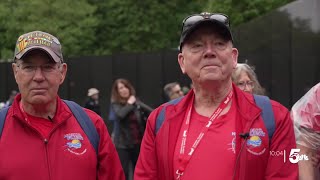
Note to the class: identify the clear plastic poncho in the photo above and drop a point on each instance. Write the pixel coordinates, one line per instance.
(306, 116)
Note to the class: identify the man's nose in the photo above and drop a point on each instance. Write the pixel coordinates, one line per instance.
(210, 50)
(38, 73)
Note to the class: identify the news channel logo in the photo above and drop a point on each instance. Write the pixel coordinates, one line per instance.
(294, 156)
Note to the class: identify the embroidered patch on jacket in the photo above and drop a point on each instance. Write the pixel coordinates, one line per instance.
(254, 143)
(233, 143)
(74, 144)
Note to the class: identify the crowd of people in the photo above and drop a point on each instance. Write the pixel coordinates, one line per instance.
(223, 127)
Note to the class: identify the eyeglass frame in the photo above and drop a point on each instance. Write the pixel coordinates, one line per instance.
(242, 85)
(34, 68)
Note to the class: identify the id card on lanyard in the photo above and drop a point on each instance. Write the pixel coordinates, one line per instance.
(184, 158)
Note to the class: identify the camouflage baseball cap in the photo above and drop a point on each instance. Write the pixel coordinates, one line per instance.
(38, 40)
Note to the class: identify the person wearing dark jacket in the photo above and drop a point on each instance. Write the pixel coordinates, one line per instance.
(130, 120)
(93, 101)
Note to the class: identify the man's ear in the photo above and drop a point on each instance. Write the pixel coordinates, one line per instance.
(235, 54)
(63, 72)
(181, 61)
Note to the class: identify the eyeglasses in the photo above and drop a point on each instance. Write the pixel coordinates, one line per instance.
(45, 68)
(242, 85)
(191, 20)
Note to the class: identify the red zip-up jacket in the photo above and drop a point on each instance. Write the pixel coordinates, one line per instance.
(65, 155)
(157, 150)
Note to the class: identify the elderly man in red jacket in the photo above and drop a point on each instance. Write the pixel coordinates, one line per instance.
(216, 131)
(42, 138)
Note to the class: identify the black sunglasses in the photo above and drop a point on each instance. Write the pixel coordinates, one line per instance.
(191, 20)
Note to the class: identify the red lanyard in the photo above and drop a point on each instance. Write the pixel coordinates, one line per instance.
(185, 158)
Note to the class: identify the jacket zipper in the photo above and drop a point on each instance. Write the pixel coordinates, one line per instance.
(47, 157)
(46, 141)
(241, 149)
(26, 121)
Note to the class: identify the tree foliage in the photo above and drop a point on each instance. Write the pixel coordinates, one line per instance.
(244, 10)
(139, 26)
(72, 21)
(99, 27)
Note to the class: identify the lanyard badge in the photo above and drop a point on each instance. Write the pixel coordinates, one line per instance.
(185, 158)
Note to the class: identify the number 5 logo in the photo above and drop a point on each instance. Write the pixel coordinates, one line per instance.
(294, 155)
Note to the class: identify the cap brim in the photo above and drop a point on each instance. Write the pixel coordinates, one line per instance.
(91, 94)
(47, 50)
(225, 31)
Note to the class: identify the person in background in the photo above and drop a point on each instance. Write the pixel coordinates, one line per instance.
(130, 116)
(185, 90)
(246, 79)
(8, 103)
(11, 98)
(306, 116)
(93, 100)
(41, 137)
(173, 90)
(216, 131)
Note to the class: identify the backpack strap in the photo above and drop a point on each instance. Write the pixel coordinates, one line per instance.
(267, 113)
(161, 115)
(3, 114)
(85, 123)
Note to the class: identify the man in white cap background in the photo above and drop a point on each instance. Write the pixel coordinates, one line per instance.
(92, 102)
(43, 137)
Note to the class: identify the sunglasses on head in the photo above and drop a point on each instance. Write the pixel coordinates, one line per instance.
(191, 20)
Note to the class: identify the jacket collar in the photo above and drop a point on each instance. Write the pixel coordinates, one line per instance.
(247, 108)
(245, 104)
(62, 112)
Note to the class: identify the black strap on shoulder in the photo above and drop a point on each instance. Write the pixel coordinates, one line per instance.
(3, 114)
(85, 123)
(162, 113)
(267, 113)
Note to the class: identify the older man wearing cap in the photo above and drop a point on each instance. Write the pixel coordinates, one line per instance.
(216, 131)
(43, 137)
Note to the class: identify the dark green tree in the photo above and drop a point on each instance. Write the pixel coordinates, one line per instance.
(72, 21)
(100, 27)
(140, 26)
(244, 10)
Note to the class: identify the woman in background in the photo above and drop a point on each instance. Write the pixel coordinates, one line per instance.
(130, 119)
(246, 79)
